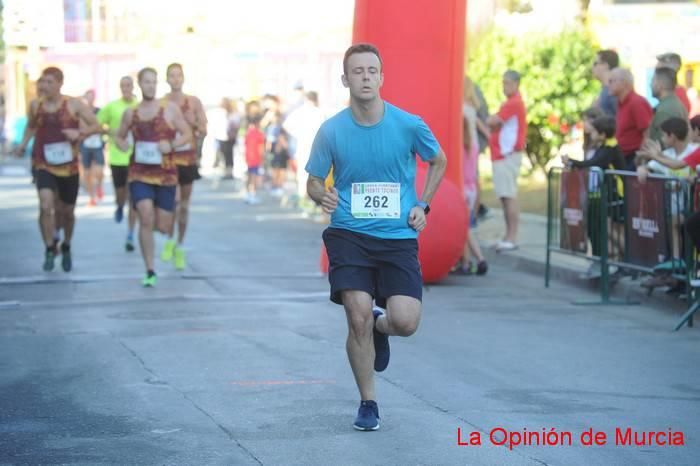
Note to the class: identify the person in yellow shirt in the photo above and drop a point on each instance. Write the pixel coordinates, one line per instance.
(110, 117)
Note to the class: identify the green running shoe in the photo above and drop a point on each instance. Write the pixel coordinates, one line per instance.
(168, 251)
(180, 259)
(149, 281)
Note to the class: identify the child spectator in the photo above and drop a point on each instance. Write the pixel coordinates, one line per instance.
(254, 151)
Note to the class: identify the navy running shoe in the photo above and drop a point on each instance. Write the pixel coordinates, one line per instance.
(367, 416)
(381, 344)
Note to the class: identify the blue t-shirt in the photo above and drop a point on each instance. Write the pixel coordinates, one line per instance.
(608, 102)
(382, 153)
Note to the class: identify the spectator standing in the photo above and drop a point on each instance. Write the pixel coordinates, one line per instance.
(663, 87)
(507, 142)
(673, 61)
(303, 124)
(605, 62)
(634, 115)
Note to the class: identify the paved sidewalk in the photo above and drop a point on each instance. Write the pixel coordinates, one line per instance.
(530, 257)
(241, 359)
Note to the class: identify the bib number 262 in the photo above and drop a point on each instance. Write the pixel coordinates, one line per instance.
(376, 202)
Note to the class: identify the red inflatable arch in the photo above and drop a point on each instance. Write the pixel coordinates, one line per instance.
(422, 47)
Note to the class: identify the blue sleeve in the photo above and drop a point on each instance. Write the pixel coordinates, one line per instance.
(424, 142)
(321, 157)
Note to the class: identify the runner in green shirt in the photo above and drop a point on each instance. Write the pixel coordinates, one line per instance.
(110, 117)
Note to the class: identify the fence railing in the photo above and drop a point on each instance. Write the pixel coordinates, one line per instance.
(621, 224)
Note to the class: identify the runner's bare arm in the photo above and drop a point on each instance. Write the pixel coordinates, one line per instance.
(327, 198)
(123, 131)
(29, 130)
(177, 119)
(200, 118)
(88, 117)
(436, 170)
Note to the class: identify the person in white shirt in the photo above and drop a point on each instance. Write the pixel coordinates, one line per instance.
(303, 124)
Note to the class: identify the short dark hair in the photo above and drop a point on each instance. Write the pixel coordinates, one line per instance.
(695, 122)
(255, 119)
(605, 125)
(145, 70)
(667, 78)
(675, 126)
(591, 113)
(360, 48)
(173, 65)
(55, 72)
(512, 75)
(610, 57)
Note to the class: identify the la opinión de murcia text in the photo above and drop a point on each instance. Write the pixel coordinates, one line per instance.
(551, 437)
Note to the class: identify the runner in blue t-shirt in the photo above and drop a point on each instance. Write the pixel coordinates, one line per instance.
(376, 217)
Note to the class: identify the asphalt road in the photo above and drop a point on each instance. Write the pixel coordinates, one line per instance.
(240, 359)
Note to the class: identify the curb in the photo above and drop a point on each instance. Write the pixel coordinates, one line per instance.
(625, 289)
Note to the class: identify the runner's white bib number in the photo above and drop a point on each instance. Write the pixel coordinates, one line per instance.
(147, 153)
(94, 141)
(376, 200)
(58, 153)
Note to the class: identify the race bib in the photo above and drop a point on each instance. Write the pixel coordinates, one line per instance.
(147, 153)
(58, 153)
(94, 141)
(376, 200)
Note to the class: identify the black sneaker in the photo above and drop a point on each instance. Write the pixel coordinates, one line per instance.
(129, 246)
(381, 344)
(49, 258)
(482, 212)
(367, 416)
(66, 260)
(481, 268)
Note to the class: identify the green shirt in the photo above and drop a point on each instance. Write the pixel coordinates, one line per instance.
(668, 107)
(111, 116)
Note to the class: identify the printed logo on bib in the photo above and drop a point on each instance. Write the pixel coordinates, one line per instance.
(94, 141)
(58, 153)
(376, 200)
(147, 153)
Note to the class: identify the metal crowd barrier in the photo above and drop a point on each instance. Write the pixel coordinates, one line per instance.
(615, 221)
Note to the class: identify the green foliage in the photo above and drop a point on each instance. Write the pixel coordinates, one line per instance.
(556, 82)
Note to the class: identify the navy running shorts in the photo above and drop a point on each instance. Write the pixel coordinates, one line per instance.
(163, 197)
(380, 267)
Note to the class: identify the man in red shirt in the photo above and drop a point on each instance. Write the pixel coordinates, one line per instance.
(254, 149)
(673, 61)
(634, 115)
(507, 143)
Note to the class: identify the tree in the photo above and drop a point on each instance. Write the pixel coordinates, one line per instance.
(556, 82)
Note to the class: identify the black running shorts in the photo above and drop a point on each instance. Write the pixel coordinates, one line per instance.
(120, 174)
(66, 186)
(187, 174)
